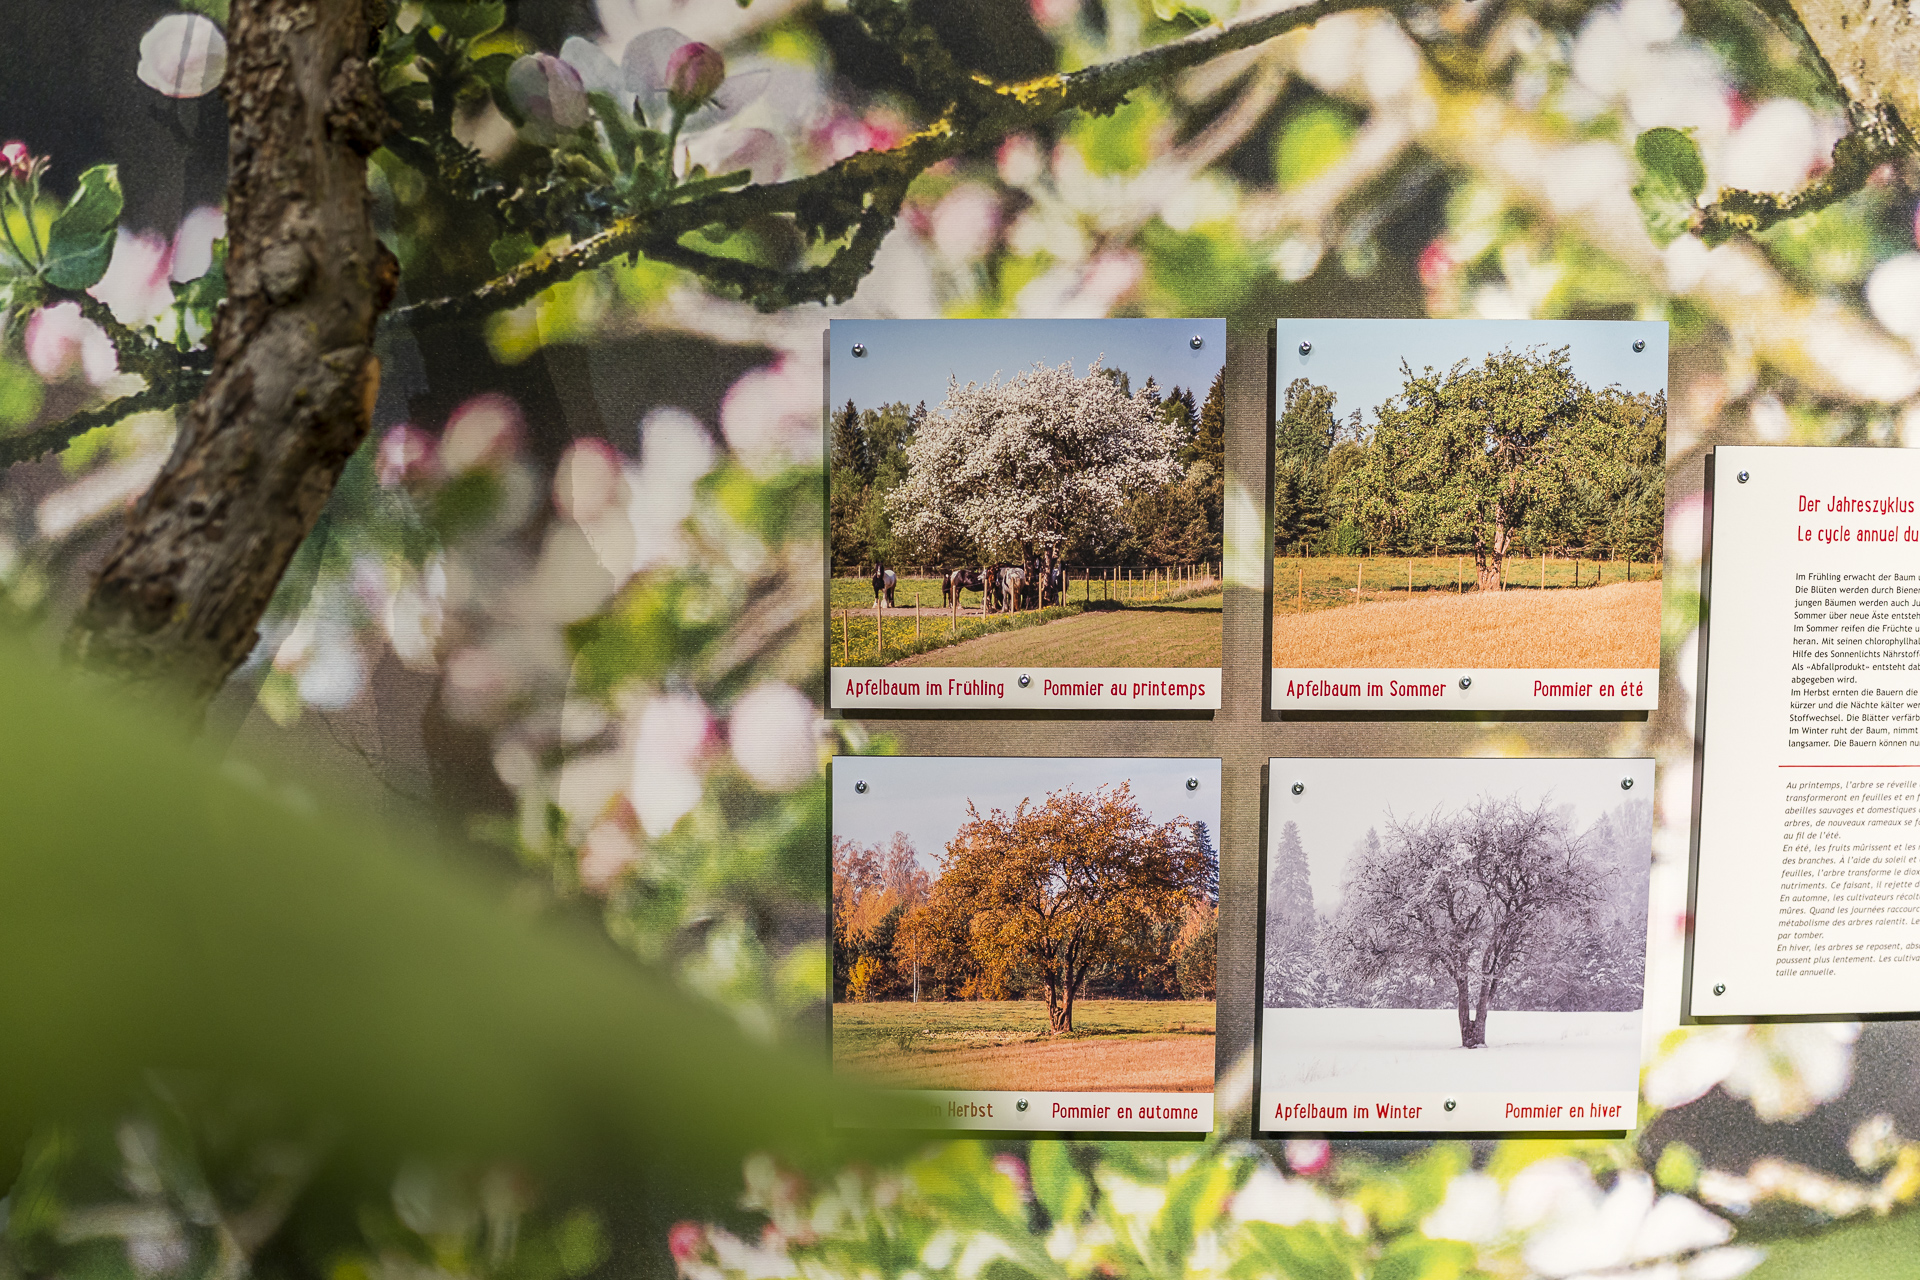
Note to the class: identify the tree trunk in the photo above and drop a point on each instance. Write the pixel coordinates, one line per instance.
(1463, 1003)
(179, 600)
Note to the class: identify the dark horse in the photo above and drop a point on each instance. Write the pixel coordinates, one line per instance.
(883, 581)
(1053, 586)
(960, 580)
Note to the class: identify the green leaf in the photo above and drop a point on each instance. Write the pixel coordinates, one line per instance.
(80, 241)
(1672, 178)
(1060, 1187)
(1185, 13)
(468, 19)
(214, 9)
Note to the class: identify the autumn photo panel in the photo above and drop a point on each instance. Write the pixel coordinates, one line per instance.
(1454, 945)
(1026, 944)
(1025, 514)
(1468, 515)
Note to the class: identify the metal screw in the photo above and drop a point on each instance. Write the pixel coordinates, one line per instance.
(1196, 342)
(1626, 784)
(1639, 344)
(1025, 681)
(1020, 1105)
(1451, 1104)
(1466, 682)
(861, 786)
(1193, 784)
(1742, 477)
(859, 349)
(1305, 347)
(1719, 988)
(1299, 788)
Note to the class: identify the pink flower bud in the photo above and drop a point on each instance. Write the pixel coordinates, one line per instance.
(686, 1241)
(15, 160)
(1308, 1156)
(405, 456)
(695, 72)
(1015, 1170)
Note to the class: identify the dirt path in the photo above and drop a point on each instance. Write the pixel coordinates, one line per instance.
(1616, 626)
(1136, 1064)
(1180, 634)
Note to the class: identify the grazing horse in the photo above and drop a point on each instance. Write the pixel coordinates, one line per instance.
(883, 582)
(990, 587)
(956, 582)
(1013, 586)
(1054, 586)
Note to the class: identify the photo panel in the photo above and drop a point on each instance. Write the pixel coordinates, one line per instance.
(1806, 891)
(1469, 515)
(1025, 943)
(1454, 945)
(1025, 514)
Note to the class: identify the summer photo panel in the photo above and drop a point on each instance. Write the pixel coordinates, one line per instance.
(1026, 944)
(1454, 945)
(1026, 514)
(1468, 514)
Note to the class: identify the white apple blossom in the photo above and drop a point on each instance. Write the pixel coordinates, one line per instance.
(775, 735)
(183, 56)
(1039, 462)
(669, 744)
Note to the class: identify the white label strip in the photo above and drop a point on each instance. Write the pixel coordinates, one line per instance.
(1036, 1111)
(1355, 1111)
(1464, 689)
(1026, 688)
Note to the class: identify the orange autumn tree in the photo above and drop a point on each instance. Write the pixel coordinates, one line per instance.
(1058, 889)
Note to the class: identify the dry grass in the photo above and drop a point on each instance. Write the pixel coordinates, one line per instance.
(1611, 626)
(1120, 1045)
(1181, 633)
(1156, 1064)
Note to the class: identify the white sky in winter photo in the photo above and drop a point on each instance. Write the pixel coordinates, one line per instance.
(1345, 797)
(1359, 360)
(911, 360)
(926, 796)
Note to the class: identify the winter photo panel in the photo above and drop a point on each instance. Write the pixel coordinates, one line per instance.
(1468, 515)
(1025, 514)
(1025, 944)
(1454, 945)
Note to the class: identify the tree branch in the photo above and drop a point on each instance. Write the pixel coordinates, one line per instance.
(856, 200)
(1855, 157)
(863, 192)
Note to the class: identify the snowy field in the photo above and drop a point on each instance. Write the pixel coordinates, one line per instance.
(1420, 1049)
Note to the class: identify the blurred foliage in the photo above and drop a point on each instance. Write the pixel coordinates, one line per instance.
(615, 642)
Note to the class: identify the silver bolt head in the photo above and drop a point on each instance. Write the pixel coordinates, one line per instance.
(861, 786)
(1025, 681)
(859, 349)
(1193, 784)
(1466, 682)
(1639, 344)
(1719, 988)
(1305, 348)
(1742, 477)
(1451, 1104)
(1196, 342)
(1020, 1105)
(1299, 788)
(1626, 784)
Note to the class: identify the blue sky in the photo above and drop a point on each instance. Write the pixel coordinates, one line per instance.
(926, 796)
(911, 360)
(1360, 359)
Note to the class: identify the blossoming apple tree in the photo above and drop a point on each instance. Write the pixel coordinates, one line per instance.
(1036, 465)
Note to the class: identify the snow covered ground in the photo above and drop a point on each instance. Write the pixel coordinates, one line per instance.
(1405, 1049)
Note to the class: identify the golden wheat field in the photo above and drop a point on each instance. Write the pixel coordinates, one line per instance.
(1611, 626)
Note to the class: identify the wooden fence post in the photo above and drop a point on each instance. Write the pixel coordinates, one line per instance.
(879, 637)
(846, 654)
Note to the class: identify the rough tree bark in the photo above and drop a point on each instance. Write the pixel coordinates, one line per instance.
(290, 397)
